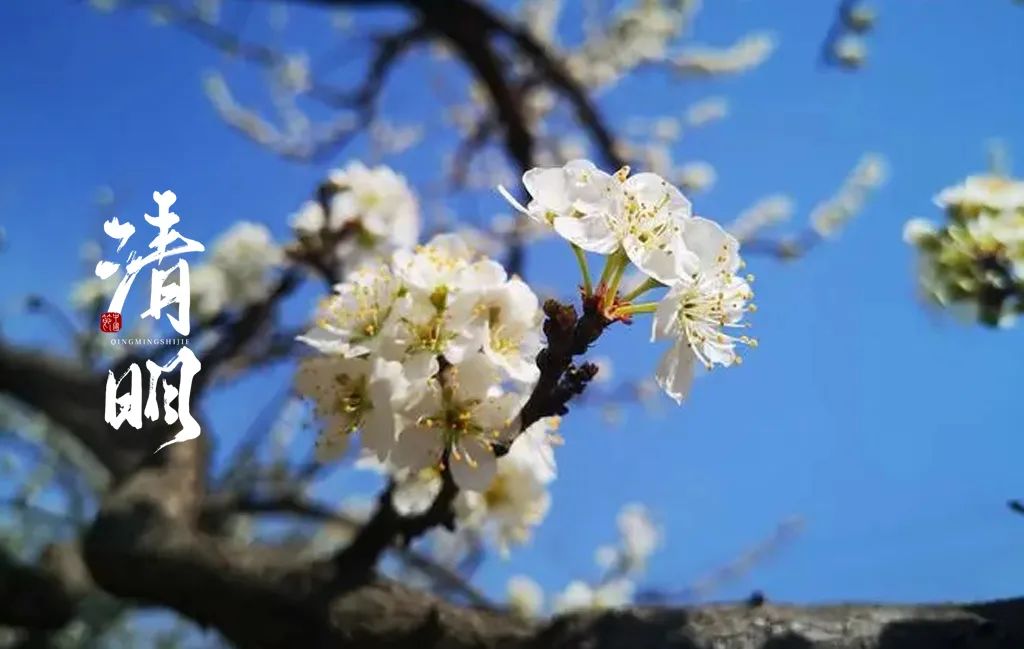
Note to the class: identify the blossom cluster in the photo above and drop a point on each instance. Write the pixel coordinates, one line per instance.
(430, 356)
(239, 272)
(645, 221)
(366, 213)
(974, 263)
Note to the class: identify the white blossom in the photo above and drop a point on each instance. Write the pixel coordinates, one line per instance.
(509, 330)
(749, 52)
(517, 499)
(525, 596)
(651, 226)
(640, 536)
(698, 309)
(358, 318)
(697, 176)
(578, 200)
(246, 253)
(351, 394)
(461, 413)
(209, 290)
(371, 212)
(850, 50)
(993, 193)
(916, 230)
(643, 215)
(379, 199)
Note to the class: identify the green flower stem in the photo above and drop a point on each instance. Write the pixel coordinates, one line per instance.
(632, 309)
(613, 282)
(609, 267)
(645, 286)
(581, 259)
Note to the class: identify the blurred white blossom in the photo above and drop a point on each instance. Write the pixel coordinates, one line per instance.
(525, 596)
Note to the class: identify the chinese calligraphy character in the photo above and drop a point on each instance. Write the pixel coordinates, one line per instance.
(162, 294)
(165, 291)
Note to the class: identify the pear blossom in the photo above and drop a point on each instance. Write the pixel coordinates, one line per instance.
(517, 499)
(508, 331)
(652, 224)
(987, 192)
(578, 200)
(461, 413)
(356, 320)
(974, 264)
(209, 290)
(379, 199)
(707, 299)
(640, 536)
(246, 254)
(444, 283)
(917, 230)
(351, 394)
(525, 596)
(451, 336)
(309, 220)
(415, 491)
(643, 215)
(366, 214)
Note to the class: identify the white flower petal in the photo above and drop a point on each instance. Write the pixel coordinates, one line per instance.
(675, 371)
(591, 232)
(473, 466)
(417, 448)
(712, 244)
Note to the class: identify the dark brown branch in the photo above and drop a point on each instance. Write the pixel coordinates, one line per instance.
(469, 26)
(568, 336)
(32, 597)
(555, 73)
(446, 580)
(72, 397)
(387, 527)
(245, 327)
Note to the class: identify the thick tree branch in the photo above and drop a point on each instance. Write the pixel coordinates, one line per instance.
(72, 397)
(34, 597)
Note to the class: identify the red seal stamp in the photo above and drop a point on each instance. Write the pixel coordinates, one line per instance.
(110, 322)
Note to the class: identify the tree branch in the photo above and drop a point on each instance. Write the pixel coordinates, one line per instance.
(72, 397)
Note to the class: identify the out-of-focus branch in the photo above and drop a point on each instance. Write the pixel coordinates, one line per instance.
(387, 526)
(34, 597)
(232, 44)
(471, 27)
(467, 149)
(444, 579)
(71, 397)
(234, 337)
(826, 219)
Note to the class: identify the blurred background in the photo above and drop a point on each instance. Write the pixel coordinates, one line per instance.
(866, 450)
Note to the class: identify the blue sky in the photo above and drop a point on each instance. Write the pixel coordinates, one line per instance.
(894, 433)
